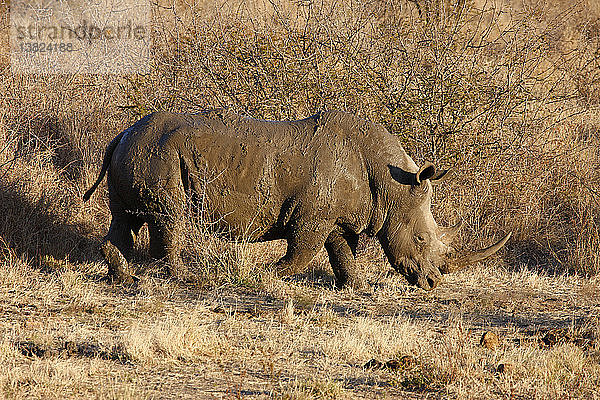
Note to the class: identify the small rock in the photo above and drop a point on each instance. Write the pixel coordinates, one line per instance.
(550, 339)
(30, 349)
(506, 368)
(489, 340)
(394, 365)
(373, 364)
(405, 362)
(82, 349)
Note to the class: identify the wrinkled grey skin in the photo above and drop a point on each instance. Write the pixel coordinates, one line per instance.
(316, 182)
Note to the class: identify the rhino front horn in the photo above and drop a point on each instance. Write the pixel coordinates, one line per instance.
(458, 263)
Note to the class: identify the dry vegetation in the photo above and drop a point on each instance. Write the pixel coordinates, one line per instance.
(505, 92)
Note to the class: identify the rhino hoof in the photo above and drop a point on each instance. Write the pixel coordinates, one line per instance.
(121, 279)
(354, 283)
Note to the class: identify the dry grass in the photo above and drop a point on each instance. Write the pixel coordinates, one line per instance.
(70, 338)
(507, 92)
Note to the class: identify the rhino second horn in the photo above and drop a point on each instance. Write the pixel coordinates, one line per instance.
(448, 233)
(456, 264)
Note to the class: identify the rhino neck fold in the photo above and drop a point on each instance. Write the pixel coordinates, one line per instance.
(378, 212)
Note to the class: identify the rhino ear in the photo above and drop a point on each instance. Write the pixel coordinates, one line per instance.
(440, 176)
(427, 171)
(402, 176)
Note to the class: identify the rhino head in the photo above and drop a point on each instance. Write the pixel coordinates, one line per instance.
(413, 242)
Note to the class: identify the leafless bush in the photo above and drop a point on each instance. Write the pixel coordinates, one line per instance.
(504, 93)
(487, 87)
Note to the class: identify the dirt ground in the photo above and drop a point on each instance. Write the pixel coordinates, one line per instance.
(68, 335)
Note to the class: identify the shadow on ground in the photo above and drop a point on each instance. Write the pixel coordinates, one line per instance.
(42, 229)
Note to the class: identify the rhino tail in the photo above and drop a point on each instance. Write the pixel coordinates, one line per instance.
(105, 164)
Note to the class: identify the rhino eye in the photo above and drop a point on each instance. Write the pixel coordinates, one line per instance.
(420, 238)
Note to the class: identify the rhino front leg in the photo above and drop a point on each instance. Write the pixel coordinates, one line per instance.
(165, 244)
(342, 251)
(303, 245)
(116, 248)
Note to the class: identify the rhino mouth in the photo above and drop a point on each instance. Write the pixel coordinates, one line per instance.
(426, 277)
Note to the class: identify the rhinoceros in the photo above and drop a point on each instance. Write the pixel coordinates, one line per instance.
(316, 182)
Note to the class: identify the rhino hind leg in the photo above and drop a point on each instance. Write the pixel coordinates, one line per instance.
(165, 244)
(117, 247)
(352, 240)
(341, 249)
